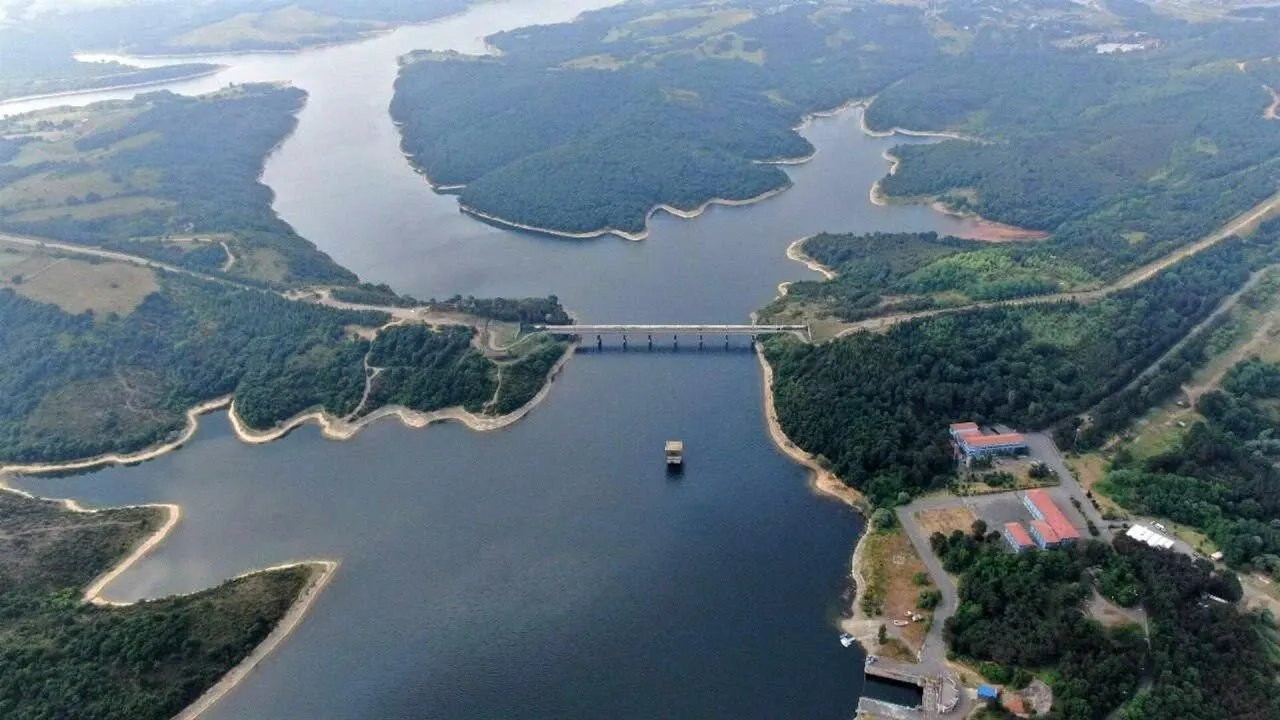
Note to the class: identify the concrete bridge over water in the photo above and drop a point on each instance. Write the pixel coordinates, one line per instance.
(675, 331)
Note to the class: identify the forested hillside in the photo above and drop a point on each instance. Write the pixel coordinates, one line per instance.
(589, 125)
(1220, 477)
(875, 406)
(1200, 647)
(165, 176)
(586, 126)
(884, 273)
(60, 658)
(1120, 156)
(1019, 613)
(78, 385)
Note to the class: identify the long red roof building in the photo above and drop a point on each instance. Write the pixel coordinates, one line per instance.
(1042, 506)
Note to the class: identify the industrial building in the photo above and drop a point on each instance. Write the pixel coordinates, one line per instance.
(972, 444)
(1017, 537)
(1050, 527)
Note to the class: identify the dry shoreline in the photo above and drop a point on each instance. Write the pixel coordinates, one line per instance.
(322, 572)
(988, 231)
(795, 251)
(112, 88)
(331, 427)
(633, 237)
(824, 483)
(636, 237)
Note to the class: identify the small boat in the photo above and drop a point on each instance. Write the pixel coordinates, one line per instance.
(900, 623)
(846, 639)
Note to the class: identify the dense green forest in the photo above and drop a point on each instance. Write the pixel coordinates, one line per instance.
(425, 370)
(1020, 613)
(1220, 476)
(79, 385)
(458, 374)
(1023, 611)
(60, 658)
(882, 273)
(144, 176)
(1207, 660)
(75, 385)
(588, 125)
(1122, 157)
(526, 311)
(874, 407)
(525, 377)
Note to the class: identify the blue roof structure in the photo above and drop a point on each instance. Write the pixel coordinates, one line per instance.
(986, 692)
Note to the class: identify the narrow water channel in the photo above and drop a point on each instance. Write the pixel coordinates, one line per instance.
(551, 569)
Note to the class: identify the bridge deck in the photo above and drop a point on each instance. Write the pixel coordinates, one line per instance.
(671, 329)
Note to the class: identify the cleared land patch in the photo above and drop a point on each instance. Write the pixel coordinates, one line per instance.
(890, 566)
(75, 285)
(287, 26)
(130, 205)
(945, 520)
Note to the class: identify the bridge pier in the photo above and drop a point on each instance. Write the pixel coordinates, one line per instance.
(650, 342)
(675, 342)
(726, 342)
(599, 343)
(624, 343)
(699, 342)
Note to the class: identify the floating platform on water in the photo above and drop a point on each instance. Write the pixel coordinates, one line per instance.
(674, 452)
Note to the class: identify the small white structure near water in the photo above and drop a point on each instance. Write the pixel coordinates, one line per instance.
(1144, 534)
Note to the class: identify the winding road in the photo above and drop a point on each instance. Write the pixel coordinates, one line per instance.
(1137, 276)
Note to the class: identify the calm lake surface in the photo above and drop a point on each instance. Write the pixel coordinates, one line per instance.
(551, 569)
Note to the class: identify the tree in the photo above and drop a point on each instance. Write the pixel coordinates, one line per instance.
(979, 529)
(883, 519)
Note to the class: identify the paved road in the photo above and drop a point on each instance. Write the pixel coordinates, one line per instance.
(1227, 303)
(1044, 449)
(934, 651)
(111, 255)
(1135, 277)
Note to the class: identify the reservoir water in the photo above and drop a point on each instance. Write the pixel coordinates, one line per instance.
(551, 569)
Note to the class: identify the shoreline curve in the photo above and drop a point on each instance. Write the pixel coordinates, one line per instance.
(632, 237)
(111, 88)
(331, 427)
(322, 571)
(805, 121)
(825, 484)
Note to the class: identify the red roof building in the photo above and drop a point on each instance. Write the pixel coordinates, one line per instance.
(972, 443)
(1042, 507)
(1044, 534)
(996, 440)
(1017, 537)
